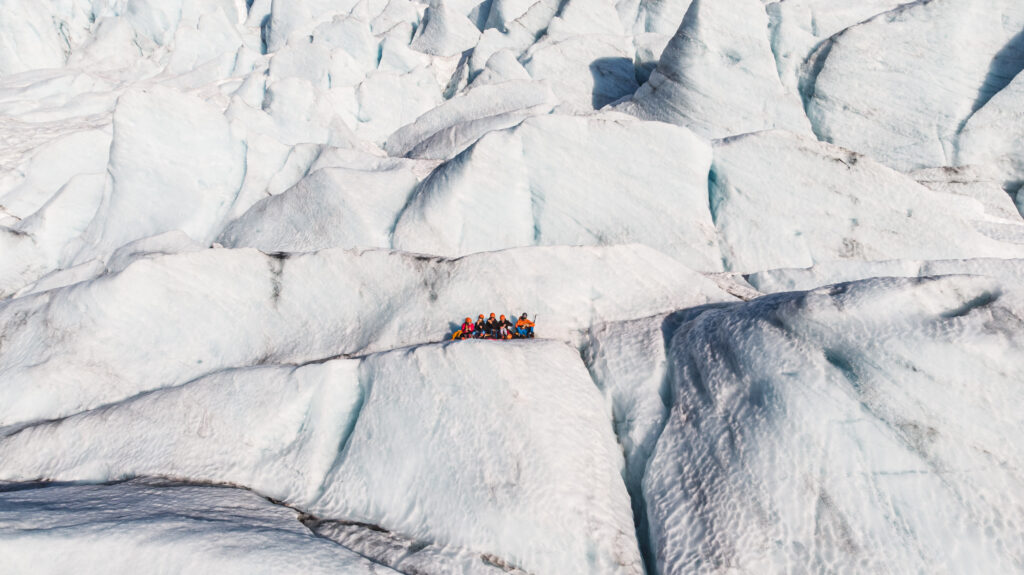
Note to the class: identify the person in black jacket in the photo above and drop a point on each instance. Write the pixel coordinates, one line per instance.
(491, 327)
(480, 326)
(504, 328)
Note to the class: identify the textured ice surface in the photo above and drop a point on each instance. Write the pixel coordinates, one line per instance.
(866, 426)
(160, 527)
(604, 179)
(528, 471)
(167, 319)
(797, 27)
(717, 75)
(184, 180)
(769, 281)
(782, 200)
(991, 136)
(901, 86)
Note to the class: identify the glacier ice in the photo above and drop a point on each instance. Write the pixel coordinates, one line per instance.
(905, 105)
(160, 526)
(544, 189)
(234, 235)
(717, 75)
(991, 136)
(539, 487)
(780, 200)
(798, 27)
(167, 319)
(184, 180)
(860, 426)
(330, 207)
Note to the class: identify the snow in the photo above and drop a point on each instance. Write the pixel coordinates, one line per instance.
(854, 427)
(235, 238)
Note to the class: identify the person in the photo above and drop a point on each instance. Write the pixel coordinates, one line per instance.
(504, 328)
(524, 327)
(467, 329)
(491, 326)
(480, 327)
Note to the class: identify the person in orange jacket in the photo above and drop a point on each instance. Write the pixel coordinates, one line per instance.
(524, 327)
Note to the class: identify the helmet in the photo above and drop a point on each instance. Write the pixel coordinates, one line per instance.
(502, 317)
(492, 315)
(481, 316)
(467, 319)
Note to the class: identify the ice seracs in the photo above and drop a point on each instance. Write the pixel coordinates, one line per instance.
(717, 75)
(569, 180)
(992, 135)
(444, 32)
(185, 180)
(331, 207)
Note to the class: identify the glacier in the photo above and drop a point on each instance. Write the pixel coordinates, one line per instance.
(774, 251)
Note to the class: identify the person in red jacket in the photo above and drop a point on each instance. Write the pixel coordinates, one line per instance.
(467, 329)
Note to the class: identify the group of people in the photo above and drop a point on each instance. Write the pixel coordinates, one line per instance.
(495, 328)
